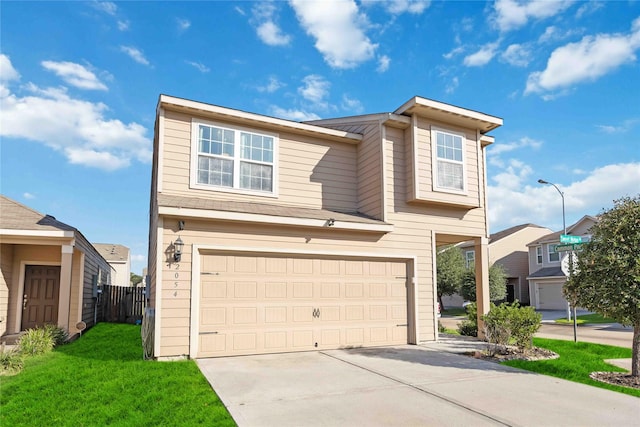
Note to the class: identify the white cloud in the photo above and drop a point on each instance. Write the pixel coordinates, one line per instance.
(383, 63)
(515, 197)
(28, 196)
(513, 14)
(352, 105)
(135, 54)
(339, 30)
(123, 25)
(453, 85)
(240, 10)
(517, 55)
(183, 24)
(589, 7)
(75, 75)
(296, 115)
(138, 258)
(272, 85)
(621, 128)
(199, 66)
(77, 128)
(264, 16)
(552, 34)
(453, 52)
(495, 151)
(587, 60)
(315, 88)
(397, 7)
(7, 72)
(107, 7)
(483, 56)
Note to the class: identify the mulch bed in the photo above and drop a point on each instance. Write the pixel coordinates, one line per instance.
(617, 378)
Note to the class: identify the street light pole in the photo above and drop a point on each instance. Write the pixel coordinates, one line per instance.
(564, 227)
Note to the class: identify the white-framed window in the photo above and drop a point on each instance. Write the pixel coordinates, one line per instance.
(553, 255)
(470, 259)
(449, 172)
(230, 158)
(539, 254)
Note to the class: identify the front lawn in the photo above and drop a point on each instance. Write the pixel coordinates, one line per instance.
(101, 379)
(586, 319)
(577, 361)
(454, 311)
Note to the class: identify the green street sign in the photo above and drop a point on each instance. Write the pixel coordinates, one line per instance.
(565, 238)
(568, 248)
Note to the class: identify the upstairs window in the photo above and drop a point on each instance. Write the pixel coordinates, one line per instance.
(229, 158)
(553, 255)
(449, 170)
(539, 254)
(470, 259)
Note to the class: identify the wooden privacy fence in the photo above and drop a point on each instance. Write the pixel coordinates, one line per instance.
(121, 304)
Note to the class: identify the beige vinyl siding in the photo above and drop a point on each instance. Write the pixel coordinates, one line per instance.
(6, 274)
(370, 173)
(311, 172)
(473, 175)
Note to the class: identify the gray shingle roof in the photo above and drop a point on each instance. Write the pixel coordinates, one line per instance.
(16, 216)
(112, 252)
(548, 272)
(262, 209)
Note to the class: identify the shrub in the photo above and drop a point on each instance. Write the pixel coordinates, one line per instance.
(497, 327)
(469, 327)
(441, 328)
(36, 341)
(507, 321)
(11, 361)
(59, 335)
(525, 322)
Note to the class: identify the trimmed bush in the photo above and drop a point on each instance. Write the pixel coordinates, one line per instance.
(507, 322)
(36, 341)
(59, 335)
(469, 327)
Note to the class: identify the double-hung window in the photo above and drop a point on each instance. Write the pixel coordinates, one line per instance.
(470, 259)
(229, 158)
(448, 159)
(553, 255)
(539, 254)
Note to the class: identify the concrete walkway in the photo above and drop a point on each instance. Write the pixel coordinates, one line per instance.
(405, 385)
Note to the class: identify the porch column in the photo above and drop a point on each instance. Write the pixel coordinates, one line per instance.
(482, 280)
(64, 300)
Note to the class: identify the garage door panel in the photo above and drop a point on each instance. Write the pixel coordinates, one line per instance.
(278, 304)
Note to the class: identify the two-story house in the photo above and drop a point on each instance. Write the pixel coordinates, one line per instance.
(268, 235)
(508, 248)
(546, 278)
(118, 257)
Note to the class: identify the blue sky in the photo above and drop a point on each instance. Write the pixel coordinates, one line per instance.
(79, 83)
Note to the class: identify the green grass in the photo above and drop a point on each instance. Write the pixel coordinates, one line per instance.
(101, 379)
(586, 319)
(454, 311)
(577, 361)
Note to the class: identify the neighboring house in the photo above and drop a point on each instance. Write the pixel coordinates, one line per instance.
(509, 249)
(308, 236)
(546, 278)
(119, 258)
(49, 272)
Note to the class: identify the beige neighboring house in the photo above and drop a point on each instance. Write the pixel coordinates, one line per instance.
(546, 278)
(509, 249)
(49, 272)
(119, 257)
(308, 236)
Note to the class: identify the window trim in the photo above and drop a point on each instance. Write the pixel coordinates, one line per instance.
(539, 256)
(434, 161)
(193, 172)
(549, 252)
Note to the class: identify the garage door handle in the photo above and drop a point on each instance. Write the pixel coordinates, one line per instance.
(403, 324)
(208, 333)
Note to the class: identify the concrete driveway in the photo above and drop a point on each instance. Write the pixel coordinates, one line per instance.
(406, 385)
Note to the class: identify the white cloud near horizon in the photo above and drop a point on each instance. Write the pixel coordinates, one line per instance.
(518, 55)
(272, 85)
(264, 20)
(586, 60)
(75, 74)
(7, 72)
(135, 54)
(292, 114)
(513, 14)
(482, 56)
(28, 196)
(383, 64)
(339, 30)
(77, 128)
(516, 198)
(625, 126)
(352, 105)
(315, 89)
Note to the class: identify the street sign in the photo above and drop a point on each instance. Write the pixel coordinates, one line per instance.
(569, 260)
(565, 238)
(568, 248)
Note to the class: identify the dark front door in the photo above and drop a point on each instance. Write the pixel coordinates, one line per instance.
(511, 293)
(40, 298)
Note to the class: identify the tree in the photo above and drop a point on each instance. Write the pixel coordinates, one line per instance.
(450, 271)
(135, 279)
(497, 284)
(607, 276)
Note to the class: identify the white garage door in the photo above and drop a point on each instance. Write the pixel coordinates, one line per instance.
(550, 297)
(267, 304)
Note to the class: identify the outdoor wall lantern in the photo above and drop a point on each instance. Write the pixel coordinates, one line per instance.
(177, 249)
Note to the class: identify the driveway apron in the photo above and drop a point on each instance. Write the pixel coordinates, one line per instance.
(405, 385)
